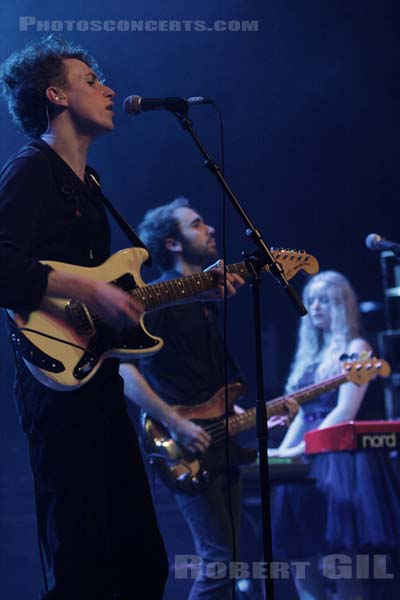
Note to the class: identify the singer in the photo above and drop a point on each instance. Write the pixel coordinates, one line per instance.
(97, 528)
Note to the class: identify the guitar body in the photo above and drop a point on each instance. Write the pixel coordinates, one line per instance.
(62, 346)
(182, 471)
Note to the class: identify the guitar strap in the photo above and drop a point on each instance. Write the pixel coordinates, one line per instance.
(68, 188)
(120, 220)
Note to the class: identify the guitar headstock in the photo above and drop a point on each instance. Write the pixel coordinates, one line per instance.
(293, 261)
(361, 369)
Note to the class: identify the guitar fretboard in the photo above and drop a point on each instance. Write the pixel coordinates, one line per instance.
(247, 420)
(173, 290)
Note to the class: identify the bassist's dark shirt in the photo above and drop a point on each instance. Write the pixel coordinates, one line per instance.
(189, 369)
(48, 213)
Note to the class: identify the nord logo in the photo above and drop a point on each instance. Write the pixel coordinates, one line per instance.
(379, 440)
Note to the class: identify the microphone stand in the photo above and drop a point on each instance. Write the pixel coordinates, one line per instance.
(255, 261)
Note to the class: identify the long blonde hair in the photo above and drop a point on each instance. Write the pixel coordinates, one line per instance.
(345, 326)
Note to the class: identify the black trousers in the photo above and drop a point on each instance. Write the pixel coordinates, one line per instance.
(97, 527)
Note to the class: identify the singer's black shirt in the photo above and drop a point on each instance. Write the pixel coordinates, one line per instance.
(48, 213)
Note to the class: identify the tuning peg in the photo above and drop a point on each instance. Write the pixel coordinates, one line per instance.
(344, 357)
(354, 356)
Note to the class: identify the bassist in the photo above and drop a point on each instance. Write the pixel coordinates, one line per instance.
(188, 371)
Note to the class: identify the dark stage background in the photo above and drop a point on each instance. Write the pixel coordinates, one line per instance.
(311, 107)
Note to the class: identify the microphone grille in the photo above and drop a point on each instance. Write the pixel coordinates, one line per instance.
(372, 240)
(132, 105)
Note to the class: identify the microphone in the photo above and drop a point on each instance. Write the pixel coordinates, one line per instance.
(374, 241)
(134, 105)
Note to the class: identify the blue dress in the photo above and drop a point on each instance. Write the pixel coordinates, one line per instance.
(351, 504)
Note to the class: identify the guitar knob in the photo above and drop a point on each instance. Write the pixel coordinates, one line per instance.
(195, 481)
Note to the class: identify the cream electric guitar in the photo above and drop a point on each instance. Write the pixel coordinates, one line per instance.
(63, 344)
(184, 472)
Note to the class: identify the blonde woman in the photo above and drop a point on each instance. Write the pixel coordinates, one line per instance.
(306, 518)
(331, 328)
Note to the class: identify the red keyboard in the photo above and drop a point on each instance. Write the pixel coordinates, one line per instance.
(354, 435)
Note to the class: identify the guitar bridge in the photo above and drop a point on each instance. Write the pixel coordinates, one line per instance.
(80, 317)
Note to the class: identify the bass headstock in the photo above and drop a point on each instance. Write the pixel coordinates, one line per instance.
(362, 368)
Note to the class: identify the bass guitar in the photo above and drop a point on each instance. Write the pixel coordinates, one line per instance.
(63, 344)
(184, 472)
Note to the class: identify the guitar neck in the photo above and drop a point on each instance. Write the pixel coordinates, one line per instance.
(247, 420)
(173, 290)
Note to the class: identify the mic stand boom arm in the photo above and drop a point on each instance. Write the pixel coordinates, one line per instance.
(260, 257)
(265, 255)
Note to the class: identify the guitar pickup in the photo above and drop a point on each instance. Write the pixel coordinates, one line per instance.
(80, 317)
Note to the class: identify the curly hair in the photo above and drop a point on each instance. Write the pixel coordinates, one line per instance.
(159, 224)
(26, 75)
(345, 326)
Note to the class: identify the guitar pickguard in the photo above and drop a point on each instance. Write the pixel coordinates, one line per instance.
(33, 354)
(105, 338)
